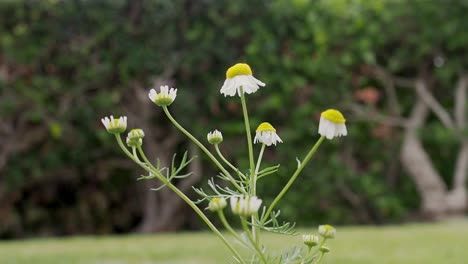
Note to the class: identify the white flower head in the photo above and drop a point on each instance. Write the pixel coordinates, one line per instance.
(217, 203)
(245, 205)
(266, 134)
(332, 124)
(115, 125)
(239, 78)
(310, 240)
(165, 97)
(135, 138)
(327, 231)
(215, 137)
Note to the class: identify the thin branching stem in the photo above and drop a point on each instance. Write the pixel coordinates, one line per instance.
(206, 220)
(135, 154)
(293, 178)
(320, 258)
(145, 159)
(127, 152)
(257, 168)
(150, 168)
(204, 149)
(221, 156)
(319, 246)
(230, 229)
(247, 130)
(255, 230)
(252, 241)
(251, 157)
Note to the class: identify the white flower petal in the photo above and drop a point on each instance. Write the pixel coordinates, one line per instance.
(330, 129)
(152, 95)
(165, 96)
(248, 83)
(228, 87)
(267, 137)
(164, 89)
(245, 205)
(258, 82)
(115, 125)
(106, 122)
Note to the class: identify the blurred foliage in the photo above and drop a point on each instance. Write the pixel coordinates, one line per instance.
(65, 64)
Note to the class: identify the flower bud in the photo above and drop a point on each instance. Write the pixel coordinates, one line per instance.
(310, 240)
(215, 137)
(217, 203)
(135, 138)
(324, 248)
(327, 231)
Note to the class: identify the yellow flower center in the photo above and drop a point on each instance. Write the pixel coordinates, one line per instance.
(334, 116)
(265, 126)
(238, 69)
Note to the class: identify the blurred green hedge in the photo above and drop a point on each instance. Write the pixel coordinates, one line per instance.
(66, 64)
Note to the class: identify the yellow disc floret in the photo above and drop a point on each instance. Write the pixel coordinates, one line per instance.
(334, 116)
(238, 69)
(265, 126)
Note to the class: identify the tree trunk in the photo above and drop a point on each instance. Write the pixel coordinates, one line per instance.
(430, 186)
(419, 166)
(437, 201)
(457, 199)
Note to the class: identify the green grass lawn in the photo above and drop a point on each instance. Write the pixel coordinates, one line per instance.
(406, 244)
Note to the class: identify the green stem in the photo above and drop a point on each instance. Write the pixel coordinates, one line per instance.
(146, 160)
(247, 130)
(135, 154)
(126, 151)
(206, 220)
(293, 177)
(161, 177)
(226, 161)
(255, 230)
(202, 147)
(229, 228)
(257, 168)
(319, 246)
(251, 157)
(252, 241)
(320, 258)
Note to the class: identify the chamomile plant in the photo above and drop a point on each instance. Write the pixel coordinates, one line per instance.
(239, 192)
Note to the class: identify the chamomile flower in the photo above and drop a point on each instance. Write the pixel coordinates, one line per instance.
(245, 205)
(327, 231)
(217, 203)
(240, 77)
(332, 124)
(115, 125)
(310, 240)
(165, 97)
(215, 137)
(135, 138)
(266, 134)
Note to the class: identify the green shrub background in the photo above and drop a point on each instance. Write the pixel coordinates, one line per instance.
(66, 64)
